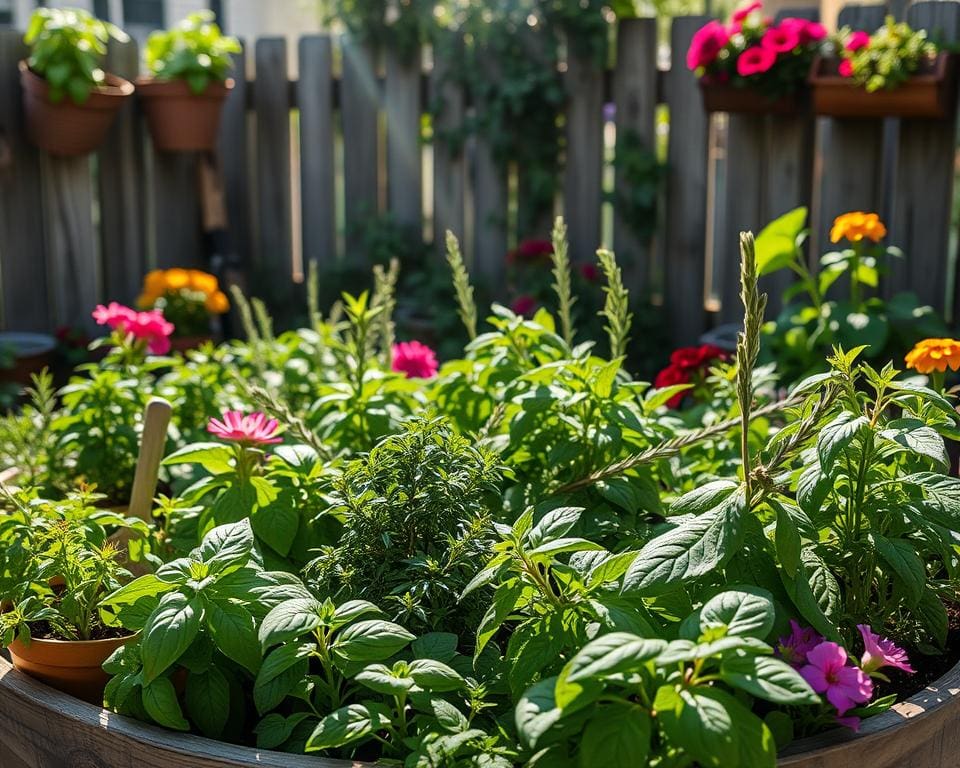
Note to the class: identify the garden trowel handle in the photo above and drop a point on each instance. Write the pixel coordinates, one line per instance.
(156, 417)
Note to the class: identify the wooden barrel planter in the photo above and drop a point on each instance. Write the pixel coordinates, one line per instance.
(43, 728)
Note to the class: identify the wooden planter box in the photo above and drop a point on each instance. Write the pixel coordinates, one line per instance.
(931, 94)
(42, 728)
(729, 98)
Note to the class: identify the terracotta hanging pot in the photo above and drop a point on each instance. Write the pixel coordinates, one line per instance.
(930, 94)
(179, 120)
(723, 97)
(71, 666)
(65, 128)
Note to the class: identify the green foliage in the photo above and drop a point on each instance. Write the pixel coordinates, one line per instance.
(67, 47)
(561, 278)
(415, 517)
(194, 51)
(640, 177)
(817, 315)
(616, 309)
(894, 54)
(56, 564)
(466, 307)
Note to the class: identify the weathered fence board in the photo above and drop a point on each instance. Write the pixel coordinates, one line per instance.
(583, 174)
(120, 180)
(404, 155)
(449, 169)
(684, 242)
(233, 154)
(23, 268)
(317, 171)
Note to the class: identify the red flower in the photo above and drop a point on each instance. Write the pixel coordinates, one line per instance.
(589, 272)
(856, 41)
(846, 68)
(755, 61)
(706, 44)
(524, 305)
(691, 358)
(668, 377)
(782, 39)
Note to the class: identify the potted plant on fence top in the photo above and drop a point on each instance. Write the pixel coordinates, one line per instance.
(189, 299)
(69, 102)
(753, 65)
(896, 71)
(188, 83)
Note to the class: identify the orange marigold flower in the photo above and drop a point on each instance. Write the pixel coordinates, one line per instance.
(203, 282)
(155, 283)
(934, 355)
(177, 278)
(857, 225)
(146, 300)
(217, 303)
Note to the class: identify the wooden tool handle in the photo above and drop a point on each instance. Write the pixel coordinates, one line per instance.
(156, 417)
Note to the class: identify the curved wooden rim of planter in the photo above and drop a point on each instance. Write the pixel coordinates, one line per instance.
(34, 715)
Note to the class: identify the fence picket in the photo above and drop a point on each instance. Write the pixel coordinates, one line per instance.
(404, 154)
(120, 180)
(635, 97)
(685, 240)
(23, 269)
(272, 107)
(233, 155)
(449, 179)
(317, 171)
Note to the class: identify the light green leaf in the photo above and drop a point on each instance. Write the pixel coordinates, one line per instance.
(768, 678)
(168, 632)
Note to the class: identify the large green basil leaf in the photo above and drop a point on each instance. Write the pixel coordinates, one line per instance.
(168, 632)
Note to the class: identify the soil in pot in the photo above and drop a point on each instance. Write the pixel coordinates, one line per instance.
(179, 120)
(65, 128)
(71, 666)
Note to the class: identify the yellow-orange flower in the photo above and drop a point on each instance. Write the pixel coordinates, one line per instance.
(146, 301)
(177, 278)
(217, 303)
(857, 225)
(155, 283)
(934, 355)
(203, 282)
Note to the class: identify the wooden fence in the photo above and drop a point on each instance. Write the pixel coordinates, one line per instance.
(77, 231)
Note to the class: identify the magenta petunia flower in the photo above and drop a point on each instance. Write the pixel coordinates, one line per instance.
(251, 429)
(880, 652)
(782, 39)
(414, 359)
(856, 41)
(706, 44)
(151, 327)
(793, 648)
(828, 672)
(808, 31)
(846, 68)
(755, 61)
(851, 722)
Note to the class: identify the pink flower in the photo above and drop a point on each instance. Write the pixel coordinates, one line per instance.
(745, 10)
(755, 61)
(856, 41)
(706, 44)
(252, 429)
(793, 648)
(782, 39)
(589, 272)
(880, 652)
(150, 327)
(808, 31)
(827, 672)
(414, 359)
(853, 723)
(846, 68)
(524, 305)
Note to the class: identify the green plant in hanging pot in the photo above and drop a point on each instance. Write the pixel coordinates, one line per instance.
(69, 102)
(188, 83)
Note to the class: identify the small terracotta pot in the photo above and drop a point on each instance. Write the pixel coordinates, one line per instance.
(65, 128)
(71, 666)
(728, 98)
(930, 94)
(179, 120)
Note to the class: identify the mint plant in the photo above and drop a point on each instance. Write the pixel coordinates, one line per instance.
(194, 51)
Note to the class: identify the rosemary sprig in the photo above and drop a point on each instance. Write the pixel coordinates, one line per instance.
(616, 307)
(748, 347)
(466, 306)
(384, 298)
(561, 279)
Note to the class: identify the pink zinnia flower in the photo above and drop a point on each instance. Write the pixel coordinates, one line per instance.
(782, 39)
(151, 327)
(745, 10)
(880, 652)
(793, 648)
(414, 359)
(524, 305)
(827, 671)
(857, 40)
(706, 44)
(846, 68)
(252, 429)
(755, 61)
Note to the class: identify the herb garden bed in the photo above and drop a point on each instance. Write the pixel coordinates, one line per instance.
(41, 727)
